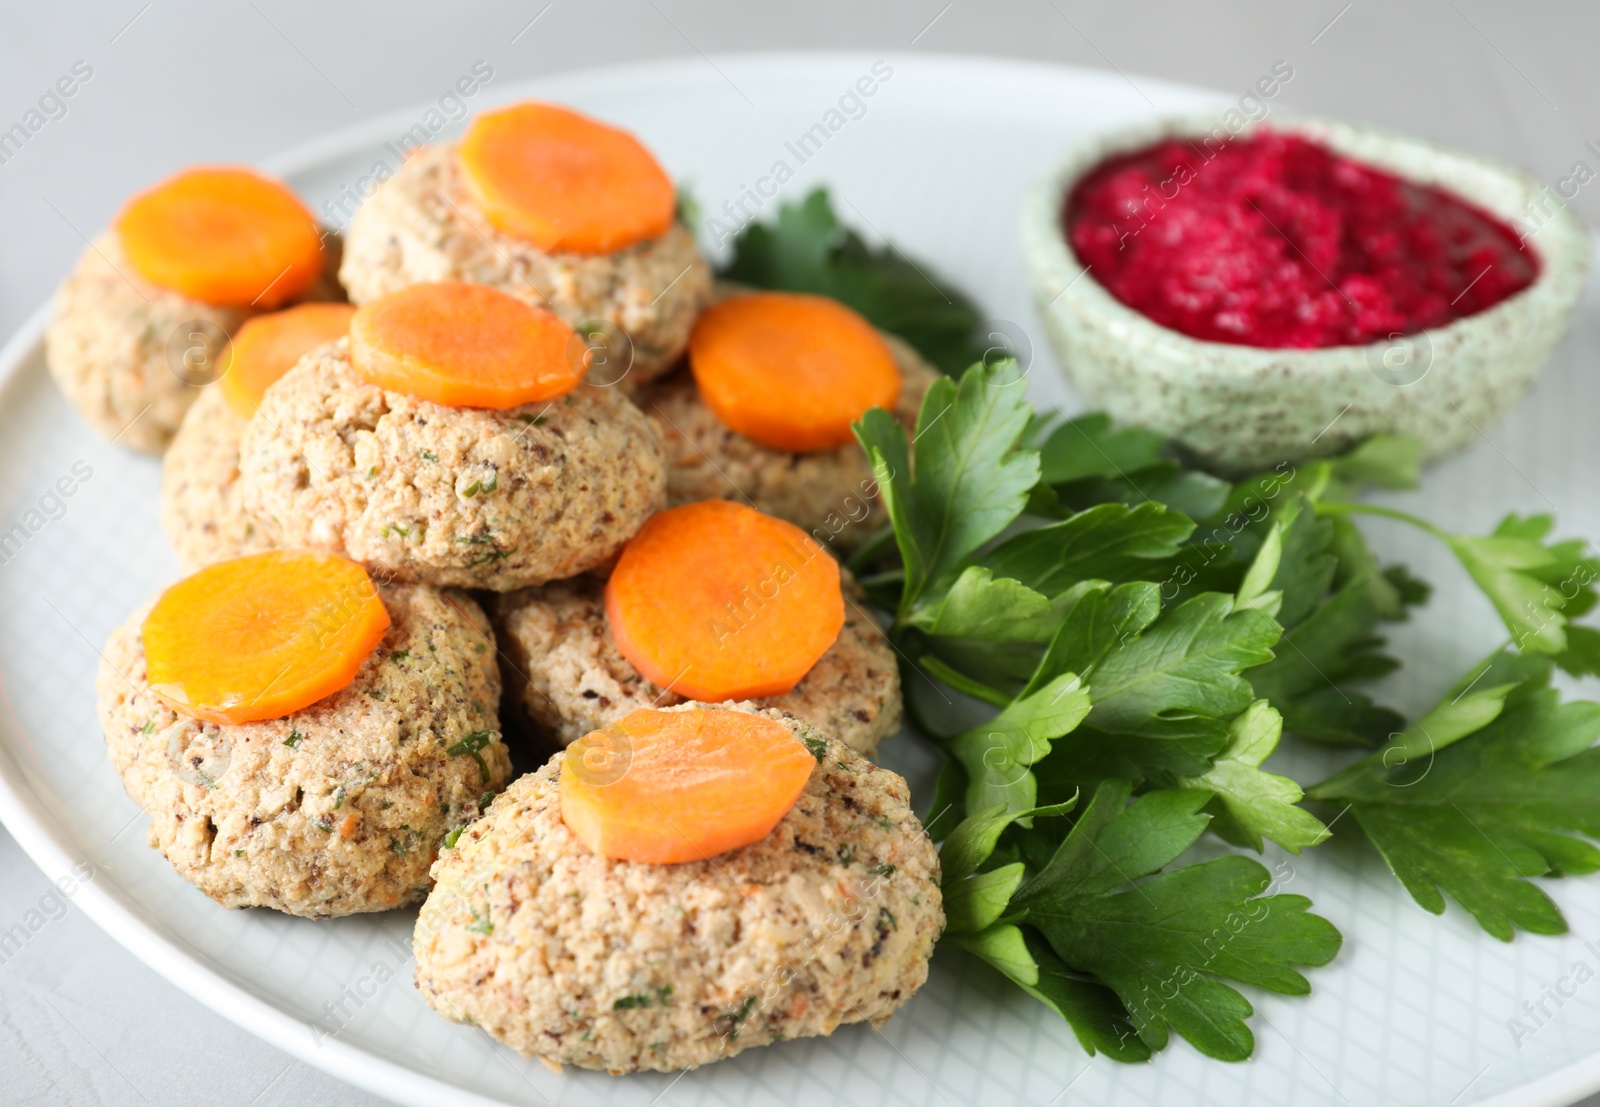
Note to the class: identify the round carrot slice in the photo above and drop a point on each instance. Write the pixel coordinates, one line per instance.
(791, 371)
(463, 345)
(717, 601)
(262, 636)
(223, 236)
(563, 181)
(268, 346)
(674, 786)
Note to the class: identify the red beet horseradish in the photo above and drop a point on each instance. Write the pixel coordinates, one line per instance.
(1276, 241)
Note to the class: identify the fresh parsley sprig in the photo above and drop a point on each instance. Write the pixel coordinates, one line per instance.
(1142, 634)
(1498, 783)
(1153, 661)
(1146, 956)
(1536, 588)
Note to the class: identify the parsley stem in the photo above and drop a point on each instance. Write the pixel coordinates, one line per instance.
(1341, 507)
(1417, 743)
(869, 550)
(963, 683)
(912, 698)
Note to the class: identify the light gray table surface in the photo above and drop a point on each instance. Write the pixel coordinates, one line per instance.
(81, 1020)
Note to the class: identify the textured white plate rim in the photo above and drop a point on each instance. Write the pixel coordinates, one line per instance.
(47, 843)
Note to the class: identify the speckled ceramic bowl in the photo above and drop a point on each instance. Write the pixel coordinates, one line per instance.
(1244, 407)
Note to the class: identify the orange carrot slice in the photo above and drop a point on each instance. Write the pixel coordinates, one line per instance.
(791, 371)
(464, 345)
(268, 346)
(664, 787)
(563, 181)
(262, 636)
(717, 601)
(223, 236)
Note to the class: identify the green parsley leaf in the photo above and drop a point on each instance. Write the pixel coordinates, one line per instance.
(1099, 619)
(1582, 655)
(1180, 677)
(1528, 582)
(1109, 542)
(1191, 492)
(1493, 786)
(983, 898)
(970, 845)
(949, 803)
(1255, 590)
(1163, 688)
(1097, 1017)
(1256, 804)
(974, 901)
(1092, 1011)
(1536, 587)
(1305, 569)
(1331, 601)
(1167, 945)
(1088, 447)
(1309, 679)
(980, 605)
(997, 754)
(1390, 461)
(963, 481)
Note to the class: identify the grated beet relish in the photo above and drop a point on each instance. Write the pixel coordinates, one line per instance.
(1276, 241)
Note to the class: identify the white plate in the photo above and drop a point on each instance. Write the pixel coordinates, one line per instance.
(1415, 1009)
